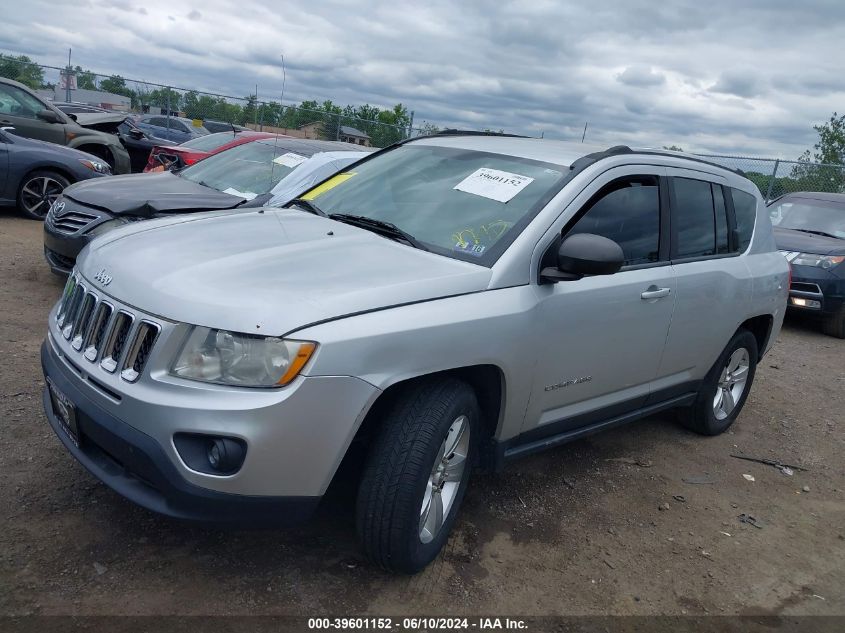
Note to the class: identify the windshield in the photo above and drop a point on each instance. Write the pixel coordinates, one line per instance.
(810, 215)
(465, 204)
(209, 142)
(247, 170)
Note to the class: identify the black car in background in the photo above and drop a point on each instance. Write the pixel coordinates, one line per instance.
(34, 173)
(136, 141)
(810, 233)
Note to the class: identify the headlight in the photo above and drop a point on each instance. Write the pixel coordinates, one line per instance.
(107, 226)
(230, 358)
(821, 261)
(96, 165)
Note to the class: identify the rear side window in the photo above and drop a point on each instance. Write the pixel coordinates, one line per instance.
(722, 239)
(700, 217)
(626, 211)
(694, 218)
(745, 208)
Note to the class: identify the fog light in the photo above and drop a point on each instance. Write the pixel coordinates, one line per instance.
(224, 455)
(805, 303)
(210, 454)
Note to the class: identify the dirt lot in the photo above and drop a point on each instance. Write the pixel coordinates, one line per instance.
(608, 525)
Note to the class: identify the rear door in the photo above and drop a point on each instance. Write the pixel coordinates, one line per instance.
(600, 339)
(713, 281)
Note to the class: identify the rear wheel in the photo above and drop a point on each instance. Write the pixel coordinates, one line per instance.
(417, 473)
(38, 191)
(835, 325)
(724, 390)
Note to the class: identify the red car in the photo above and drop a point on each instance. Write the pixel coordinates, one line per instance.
(165, 158)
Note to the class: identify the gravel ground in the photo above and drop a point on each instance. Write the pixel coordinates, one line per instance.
(620, 523)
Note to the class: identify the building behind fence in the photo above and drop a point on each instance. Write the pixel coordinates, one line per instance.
(774, 177)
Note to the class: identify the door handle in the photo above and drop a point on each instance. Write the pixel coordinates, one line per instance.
(653, 292)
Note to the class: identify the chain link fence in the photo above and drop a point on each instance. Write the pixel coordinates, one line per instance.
(182, 113)
(775, 177)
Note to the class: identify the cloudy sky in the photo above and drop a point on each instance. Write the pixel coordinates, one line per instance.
(721, 76)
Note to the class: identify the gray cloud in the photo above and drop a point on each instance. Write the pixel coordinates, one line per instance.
(741, 83)
(749, 78)
(640, 76)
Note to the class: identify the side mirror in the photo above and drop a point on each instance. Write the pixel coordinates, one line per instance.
(584, 254)
(49, 116)
(136, 134)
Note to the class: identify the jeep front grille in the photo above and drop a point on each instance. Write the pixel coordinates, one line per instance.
(72, 221)
(104, 334)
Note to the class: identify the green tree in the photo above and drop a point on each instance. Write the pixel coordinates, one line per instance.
(165, 98)
(826, 174)
(85, 79)
(249, 112)
(673, 148)
(830, 148)
(116, 85)
(21, 68)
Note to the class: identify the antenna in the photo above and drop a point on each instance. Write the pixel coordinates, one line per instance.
(585, 131)
(281, 113)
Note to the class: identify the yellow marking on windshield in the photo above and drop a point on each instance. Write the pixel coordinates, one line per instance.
(331, 183)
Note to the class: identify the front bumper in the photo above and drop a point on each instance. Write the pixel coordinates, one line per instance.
(816, 291)
(61, 250)
(283, 477)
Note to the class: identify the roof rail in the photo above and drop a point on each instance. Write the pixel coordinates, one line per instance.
(588, 159)
(454, 132)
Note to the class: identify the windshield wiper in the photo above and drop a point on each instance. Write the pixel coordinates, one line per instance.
(386, 229)
(307, 205)
(818, 233)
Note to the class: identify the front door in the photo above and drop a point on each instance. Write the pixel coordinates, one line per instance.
(601, 338)
(19, 109)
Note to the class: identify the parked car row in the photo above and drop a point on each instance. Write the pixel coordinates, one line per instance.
(258, 169)
(449, 302)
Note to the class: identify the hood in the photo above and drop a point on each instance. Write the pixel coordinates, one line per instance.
(792, 240)
(87, 119)
(147, 195)
(270, 271)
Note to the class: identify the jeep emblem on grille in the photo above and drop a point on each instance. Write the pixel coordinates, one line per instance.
(59, 207)
(103, 277)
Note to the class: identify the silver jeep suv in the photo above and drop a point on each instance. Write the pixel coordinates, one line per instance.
(451, 302)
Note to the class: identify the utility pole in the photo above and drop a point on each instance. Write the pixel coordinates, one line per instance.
(67, 78)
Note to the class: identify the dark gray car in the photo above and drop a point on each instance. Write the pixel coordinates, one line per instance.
(34, 173)
(32, 117)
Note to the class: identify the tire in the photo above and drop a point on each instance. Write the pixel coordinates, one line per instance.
(38, 191)
(711, 414)
(835, 325)
(401, 476)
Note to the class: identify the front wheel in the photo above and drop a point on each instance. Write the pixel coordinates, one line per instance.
(724, 390)
(38, 191)
(834, 325)
(417, 473)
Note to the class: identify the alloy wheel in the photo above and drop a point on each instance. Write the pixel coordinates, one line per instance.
(731, 383)
(39, 193)
(445, 479)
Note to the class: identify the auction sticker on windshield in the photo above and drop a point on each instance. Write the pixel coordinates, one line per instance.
(331, 183)
(494, 184)
(290, 159)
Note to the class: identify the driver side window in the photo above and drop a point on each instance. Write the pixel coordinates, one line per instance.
(16, 102)
(627, 211)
